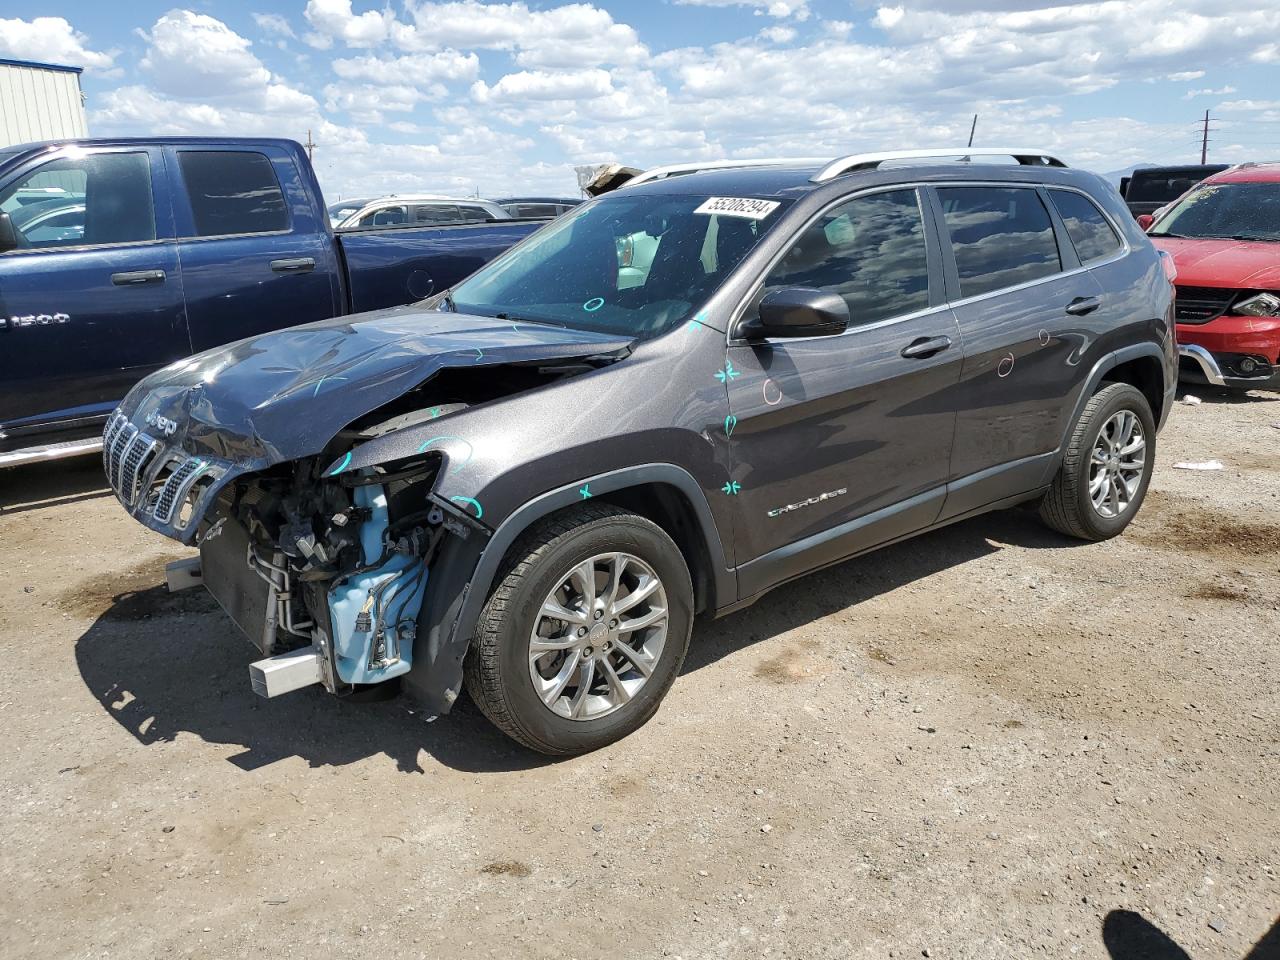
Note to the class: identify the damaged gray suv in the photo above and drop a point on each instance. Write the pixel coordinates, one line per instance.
(666, 402)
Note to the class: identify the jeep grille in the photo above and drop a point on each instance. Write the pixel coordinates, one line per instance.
(165, 486)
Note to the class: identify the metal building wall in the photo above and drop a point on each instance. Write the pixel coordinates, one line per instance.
(39, 102)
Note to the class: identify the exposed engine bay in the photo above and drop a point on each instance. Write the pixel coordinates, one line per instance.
(327, 574)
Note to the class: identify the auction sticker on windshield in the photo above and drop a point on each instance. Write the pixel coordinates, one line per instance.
(738, 207)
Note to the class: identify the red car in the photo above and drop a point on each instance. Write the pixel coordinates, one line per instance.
(1224, 237)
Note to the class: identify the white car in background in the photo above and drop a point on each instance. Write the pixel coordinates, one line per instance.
(398, 210)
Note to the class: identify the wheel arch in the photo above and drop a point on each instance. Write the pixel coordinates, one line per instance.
(663, 493)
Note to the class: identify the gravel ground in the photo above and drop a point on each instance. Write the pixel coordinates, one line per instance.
(987, 742)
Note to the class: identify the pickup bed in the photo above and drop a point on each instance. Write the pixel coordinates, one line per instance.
(143, 252)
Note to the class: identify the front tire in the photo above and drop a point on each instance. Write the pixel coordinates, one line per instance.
(585, 632)
(1105, 473)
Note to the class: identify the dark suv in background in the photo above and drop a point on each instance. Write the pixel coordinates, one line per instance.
(532, 482)
(1148, 189)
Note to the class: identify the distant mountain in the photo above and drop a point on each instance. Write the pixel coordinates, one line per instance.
(1115, 175)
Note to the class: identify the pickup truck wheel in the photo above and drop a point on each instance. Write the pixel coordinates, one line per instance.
(1107, 467)
(585, 633)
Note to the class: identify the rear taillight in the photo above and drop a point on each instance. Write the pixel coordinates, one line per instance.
(1170, 268)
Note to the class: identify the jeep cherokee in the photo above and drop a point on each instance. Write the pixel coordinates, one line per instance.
(531, 483)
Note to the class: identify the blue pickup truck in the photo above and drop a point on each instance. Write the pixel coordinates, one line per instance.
(118, 257)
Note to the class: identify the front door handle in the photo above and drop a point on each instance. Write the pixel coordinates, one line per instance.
(925, 347)
(1083, 305)
(132, 278)
(294, 265)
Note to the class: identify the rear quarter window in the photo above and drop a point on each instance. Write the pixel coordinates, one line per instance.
(1001, 237)
(1090, 232)
(232, 192)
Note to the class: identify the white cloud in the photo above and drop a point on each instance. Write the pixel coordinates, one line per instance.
(1209, 92)
(334, 20)
(414, 70)
(193, 55)
(274, 23)
(778, 34)
(799, 9)
(545, 85)
(52, 40)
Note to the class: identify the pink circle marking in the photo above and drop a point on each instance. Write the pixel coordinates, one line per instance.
(765, 390)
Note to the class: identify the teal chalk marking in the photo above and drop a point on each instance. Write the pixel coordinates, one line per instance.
(435, 412)
(731, 488)
(461, 463)
(342, 466)
(479, 354)
(585, 490)
(320, 382)
(728, 373)
(729, 423)
(698, 320)
(598, 301)
(474, 503)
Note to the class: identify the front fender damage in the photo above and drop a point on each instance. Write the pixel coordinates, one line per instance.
(362, 564)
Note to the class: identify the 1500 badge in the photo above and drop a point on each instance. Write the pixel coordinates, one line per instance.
(34, 320)
(829, 495)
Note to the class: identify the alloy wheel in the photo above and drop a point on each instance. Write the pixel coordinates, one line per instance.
(1116, 464)
(598, 636)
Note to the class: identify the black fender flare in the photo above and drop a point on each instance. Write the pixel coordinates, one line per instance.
(1104, 365)
(464, 573)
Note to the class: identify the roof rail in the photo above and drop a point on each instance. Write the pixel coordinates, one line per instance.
(677, 169)
(1027, 156)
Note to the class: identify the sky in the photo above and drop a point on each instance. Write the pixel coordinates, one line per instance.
(505, 98)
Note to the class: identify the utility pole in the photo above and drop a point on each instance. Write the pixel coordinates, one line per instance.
(972, 128)
(1204, 141)
(311, 147)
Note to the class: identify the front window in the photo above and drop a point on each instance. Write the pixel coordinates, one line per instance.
(1226, 211)
(633, 265)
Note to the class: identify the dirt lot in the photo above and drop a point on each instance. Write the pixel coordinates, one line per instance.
(988, 742)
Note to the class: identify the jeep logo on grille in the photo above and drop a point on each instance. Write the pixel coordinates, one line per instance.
(162, 424)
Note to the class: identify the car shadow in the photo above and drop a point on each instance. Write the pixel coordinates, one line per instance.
(164, 664)
(1130, 936)
(37, 486)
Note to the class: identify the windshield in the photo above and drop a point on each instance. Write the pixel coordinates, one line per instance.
(635, 265)
(1233, 211)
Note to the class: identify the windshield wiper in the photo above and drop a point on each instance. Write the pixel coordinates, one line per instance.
(448, 298)
(1241, 236)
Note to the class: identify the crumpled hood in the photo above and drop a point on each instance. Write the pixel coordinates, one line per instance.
(1243, 264)
(285, 394)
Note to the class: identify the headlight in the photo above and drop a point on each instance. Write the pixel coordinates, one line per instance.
(1261, 305)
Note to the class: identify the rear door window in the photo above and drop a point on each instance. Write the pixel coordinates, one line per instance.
(1089, 230)
(232, 192)
(871, 251)
(1001, 236)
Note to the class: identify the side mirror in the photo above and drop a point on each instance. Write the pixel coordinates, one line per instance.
(798, 312)
(1145, 220)
(8, 234)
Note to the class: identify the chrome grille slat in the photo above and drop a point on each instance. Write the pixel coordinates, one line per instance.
(174, 488)
(117, 454)
(138, 456)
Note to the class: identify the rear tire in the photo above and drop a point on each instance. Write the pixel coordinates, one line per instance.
(572, 684)
(1115, 433)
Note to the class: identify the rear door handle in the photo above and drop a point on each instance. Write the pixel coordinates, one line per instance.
(134, 277)
(294, 265)
(1083, 305)
(925, 347)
